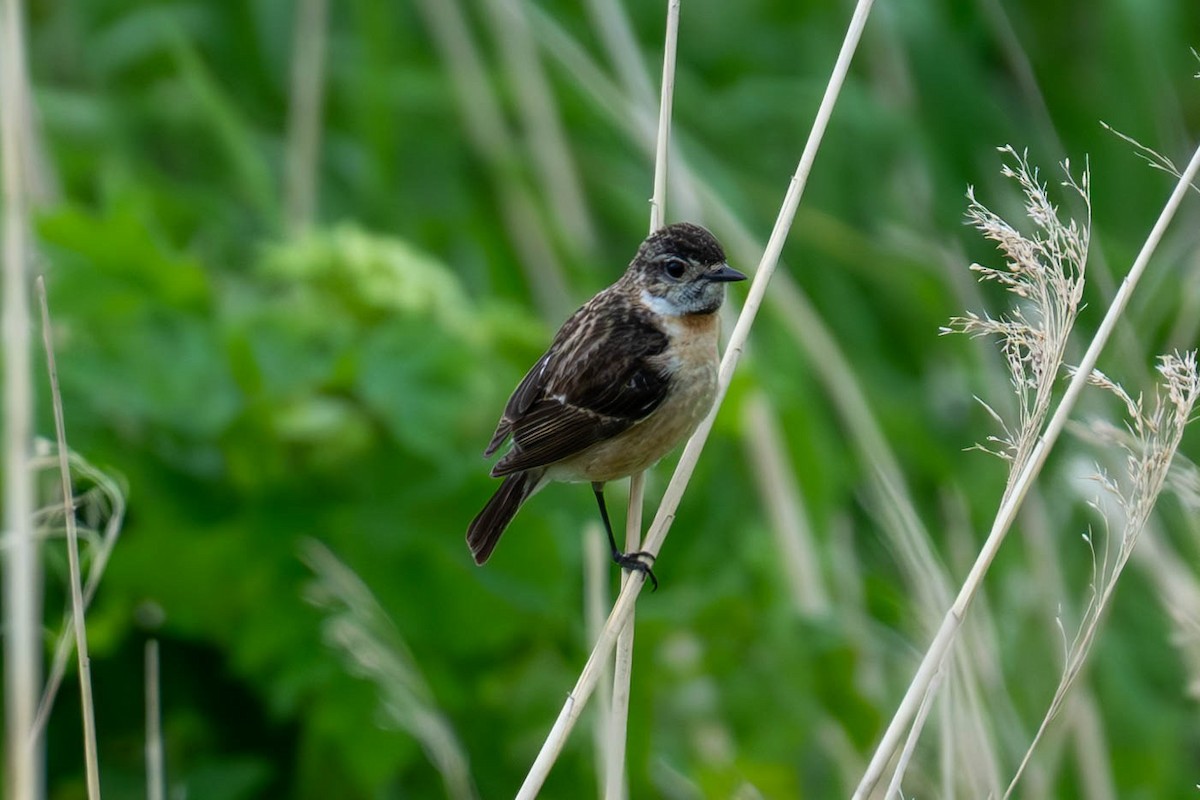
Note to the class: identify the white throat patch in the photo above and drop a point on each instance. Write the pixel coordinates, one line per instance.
(660, 305)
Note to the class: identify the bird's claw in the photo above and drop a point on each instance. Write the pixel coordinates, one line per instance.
(638, 562)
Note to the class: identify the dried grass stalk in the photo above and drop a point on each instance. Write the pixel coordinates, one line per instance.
(938, 651)
(1155, 434)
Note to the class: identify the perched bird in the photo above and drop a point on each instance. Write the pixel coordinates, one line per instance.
(628, 376)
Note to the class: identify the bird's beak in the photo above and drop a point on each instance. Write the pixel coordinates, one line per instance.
(724, 274)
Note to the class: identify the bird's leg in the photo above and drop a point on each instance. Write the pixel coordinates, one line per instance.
(631, 561)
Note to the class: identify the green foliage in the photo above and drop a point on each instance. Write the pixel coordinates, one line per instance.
(255, 389)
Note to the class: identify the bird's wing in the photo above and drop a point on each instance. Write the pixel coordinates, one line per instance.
(599, 377)
(527, 392)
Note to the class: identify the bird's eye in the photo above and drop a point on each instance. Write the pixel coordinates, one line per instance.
(675, 268)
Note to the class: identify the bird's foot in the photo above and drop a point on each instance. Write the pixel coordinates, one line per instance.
(639, 561)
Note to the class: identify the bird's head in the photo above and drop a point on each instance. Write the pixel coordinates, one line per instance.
(681, 269)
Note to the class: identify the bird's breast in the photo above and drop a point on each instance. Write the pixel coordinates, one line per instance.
(691, 361)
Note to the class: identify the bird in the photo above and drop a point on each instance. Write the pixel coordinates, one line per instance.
(626, 378)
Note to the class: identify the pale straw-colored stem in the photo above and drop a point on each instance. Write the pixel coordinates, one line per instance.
(544, 138)
(485, 127)
(22, 569)
(610, 21)
(586, 684)
(155, 771)
(780, 492)
(615, 783)
(615, 787)
(596, 572)
(910, 744)
(658, 202)
(1091, 749)
(942, 641)
(90, 756)
(304, 113)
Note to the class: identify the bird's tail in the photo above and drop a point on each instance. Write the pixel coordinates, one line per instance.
(484, 531)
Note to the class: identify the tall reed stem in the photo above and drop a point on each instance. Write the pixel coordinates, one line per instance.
(623, 668)
(22, 570)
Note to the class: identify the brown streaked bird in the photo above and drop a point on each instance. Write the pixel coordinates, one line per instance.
(628, 377)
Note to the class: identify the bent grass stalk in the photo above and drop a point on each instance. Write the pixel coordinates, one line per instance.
(946, 635)
(660, 527)
(110, 493)
(355, 626)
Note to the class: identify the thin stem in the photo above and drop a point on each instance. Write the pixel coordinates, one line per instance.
(155, 772)
(778, 487)
(615, 785)
(942, 641)
(659, 202)
(614, 774)
(304, 113)
(1091, 749)
(91, 758)
(586, 684)
(910, 744)
(596, 570)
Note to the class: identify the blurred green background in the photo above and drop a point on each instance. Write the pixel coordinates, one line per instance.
(265, 355)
